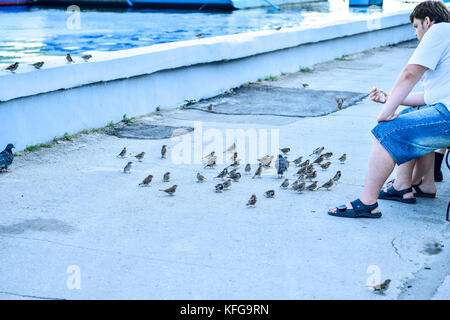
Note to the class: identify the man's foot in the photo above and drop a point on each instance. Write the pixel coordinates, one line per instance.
(409, 195)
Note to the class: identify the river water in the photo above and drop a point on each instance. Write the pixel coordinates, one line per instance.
(29, 33)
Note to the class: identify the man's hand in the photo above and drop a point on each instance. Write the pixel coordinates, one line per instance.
(386, 117)
(378, 95)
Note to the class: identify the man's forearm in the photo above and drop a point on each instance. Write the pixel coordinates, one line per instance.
(414, 100)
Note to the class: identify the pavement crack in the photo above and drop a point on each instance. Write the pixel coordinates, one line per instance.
(396, 249)
(30, 296)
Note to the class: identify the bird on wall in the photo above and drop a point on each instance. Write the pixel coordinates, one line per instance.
(86, 57)
(38, 65)
(69, 58)
(13, 67)
(6, 158)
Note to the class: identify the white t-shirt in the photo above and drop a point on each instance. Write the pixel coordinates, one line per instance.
(433, 52)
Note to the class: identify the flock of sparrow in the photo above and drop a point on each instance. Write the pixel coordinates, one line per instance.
(305, 174)
(38, 65)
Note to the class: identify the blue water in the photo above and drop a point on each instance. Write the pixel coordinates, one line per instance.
(28, 33)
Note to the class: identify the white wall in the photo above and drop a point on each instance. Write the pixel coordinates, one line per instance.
(136, 81)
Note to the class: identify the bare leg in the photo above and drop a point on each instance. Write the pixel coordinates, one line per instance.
(424, 173)
(381, 165)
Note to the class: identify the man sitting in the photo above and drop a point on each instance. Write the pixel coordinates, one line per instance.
(410, 139)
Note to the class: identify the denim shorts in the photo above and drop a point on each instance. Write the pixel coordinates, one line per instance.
(416, 132)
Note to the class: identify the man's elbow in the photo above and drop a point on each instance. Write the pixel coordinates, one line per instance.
(413, 73)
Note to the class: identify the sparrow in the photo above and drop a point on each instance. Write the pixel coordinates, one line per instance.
(343, 158)
(211, 162)
(140, 156)
(285, 184)
(163, 151)
(210, 107)
(199, 35)
(6, 157)
(166, 177)
(285, 150)
(266, 161)
(278, 28)
(209, 156)
(226, 184)
(122, 153)
(222, 174)
(236, 177)
(69, 58)
(219, 187)
(337, 176)
(312, 186)
(248, 168)
(304, 164)
(382, 287)
(127, 168)
(301, 177)
(328, 155)
(300, 187)
(317, 151)
(13, 67)
(311, 175)
(236, 163)
(231, 148)
(301, 171)
(309, 168)
(340, 102)
(38, 65)
(327, 185)
(258, 172)
(325, 165)
(146, 181)
(294, 185)
(319, 159)
(234, 156)
(269, 193)
(232, 172)
(200, 177)
(86, 57)
(305, 85)
(171, 190)
(252, 201)
(298, 160)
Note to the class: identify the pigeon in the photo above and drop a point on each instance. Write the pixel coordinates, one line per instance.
(38, 65)
(258, 172)
(382, 287)
(222, 174)
(285, 150)
(312, 186)
(285, 184)
(340, 102)
(226, 184)
(327, 185)
(146, 181)
(127, 168)
(200, 177)
(13, 67)
(252, 201)
(211, 162)
(325, 166)
(337, 176)
(342, 158)
(282, 166)
(122, 153)
(86, 57)
(317, 151)
(236, 177)
(219, 187)
(6, 157)
(248, 168)
(69, 58)
(163, 151)
(328, 155)
(269, 193)
(140, 156)
(300, 187)
(171, 190)
(166, 177)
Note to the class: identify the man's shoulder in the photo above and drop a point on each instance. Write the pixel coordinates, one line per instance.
(443, 29)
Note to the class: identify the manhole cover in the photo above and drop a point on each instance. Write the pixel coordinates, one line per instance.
(149, 131)
(278, 101)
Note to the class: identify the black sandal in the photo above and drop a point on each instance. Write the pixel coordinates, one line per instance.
(360, 210)
(419, 193)
(397, 195)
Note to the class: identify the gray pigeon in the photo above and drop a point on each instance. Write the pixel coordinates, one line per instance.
(6, 157)
(282, 165)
